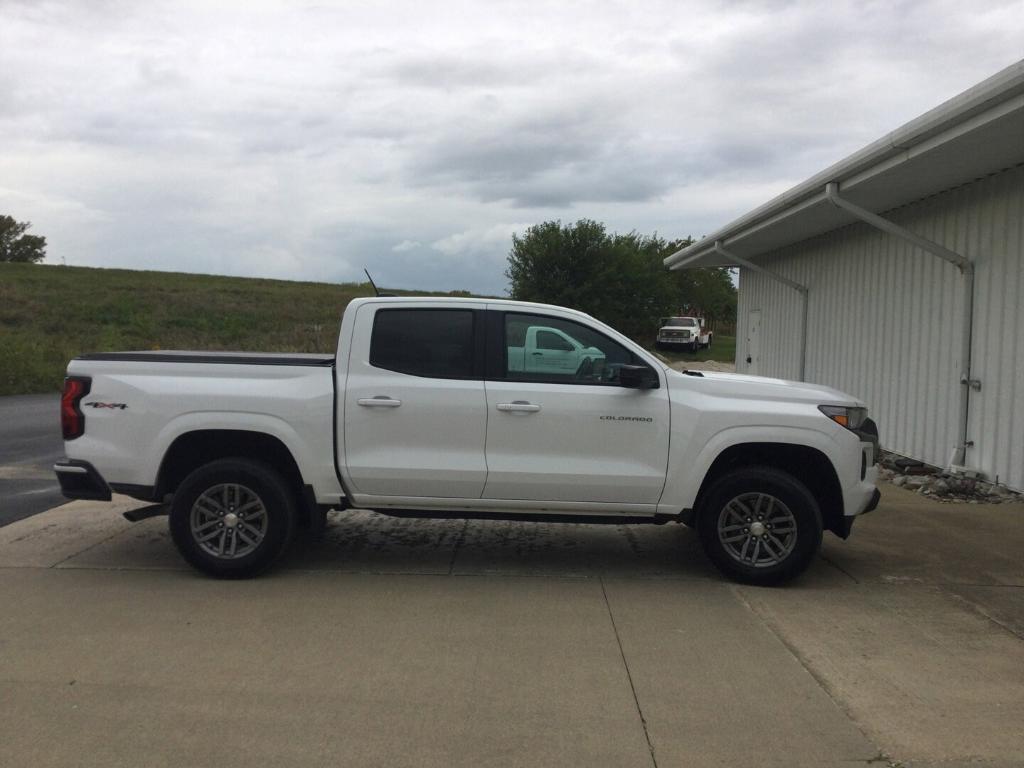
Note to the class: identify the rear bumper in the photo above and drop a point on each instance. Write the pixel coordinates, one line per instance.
(80, 480)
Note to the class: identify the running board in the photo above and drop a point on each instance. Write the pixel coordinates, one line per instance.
(528, 517)
(144, 513)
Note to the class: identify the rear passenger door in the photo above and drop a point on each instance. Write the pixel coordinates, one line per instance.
(415, 411)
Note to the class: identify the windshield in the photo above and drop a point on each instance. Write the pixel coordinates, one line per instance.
(681, 321)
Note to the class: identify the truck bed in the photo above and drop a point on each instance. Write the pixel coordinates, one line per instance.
(139, 403)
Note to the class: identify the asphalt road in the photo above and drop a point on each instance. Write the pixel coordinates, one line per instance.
(30, 442)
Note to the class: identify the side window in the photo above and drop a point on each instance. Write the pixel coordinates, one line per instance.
(595, 359)
(551, 340)
(435, 343)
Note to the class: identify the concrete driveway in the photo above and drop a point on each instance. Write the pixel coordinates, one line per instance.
(439, 643)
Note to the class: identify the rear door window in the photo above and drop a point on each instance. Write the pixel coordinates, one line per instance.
(434, 343)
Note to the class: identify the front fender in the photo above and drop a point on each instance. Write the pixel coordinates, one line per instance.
(683, 485)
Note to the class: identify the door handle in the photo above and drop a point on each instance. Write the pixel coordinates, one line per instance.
(519, 406)
(380, 401)
(537, 354)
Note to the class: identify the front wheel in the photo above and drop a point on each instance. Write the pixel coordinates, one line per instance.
(232, 518)
(759, 525)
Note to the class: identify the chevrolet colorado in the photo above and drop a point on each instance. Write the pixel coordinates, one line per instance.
(422, 412)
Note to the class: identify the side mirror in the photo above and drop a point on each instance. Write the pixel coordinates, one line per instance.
(638, 377)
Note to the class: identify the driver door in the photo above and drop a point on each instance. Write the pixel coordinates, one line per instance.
(565, 436)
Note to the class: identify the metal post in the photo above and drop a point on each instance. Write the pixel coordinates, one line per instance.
(966, 267)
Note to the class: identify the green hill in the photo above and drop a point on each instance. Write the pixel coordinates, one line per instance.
(49, 314)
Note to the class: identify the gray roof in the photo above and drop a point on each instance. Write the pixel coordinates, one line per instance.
(979, 132)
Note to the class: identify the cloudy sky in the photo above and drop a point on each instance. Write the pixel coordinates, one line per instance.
(306, 140)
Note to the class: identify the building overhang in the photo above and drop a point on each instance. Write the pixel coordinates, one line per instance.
(972, 135)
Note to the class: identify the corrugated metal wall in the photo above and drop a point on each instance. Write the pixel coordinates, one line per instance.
(883, 322)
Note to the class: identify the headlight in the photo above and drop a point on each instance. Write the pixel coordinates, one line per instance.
(845, 416)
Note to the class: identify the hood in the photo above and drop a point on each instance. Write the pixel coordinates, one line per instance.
(765, 388)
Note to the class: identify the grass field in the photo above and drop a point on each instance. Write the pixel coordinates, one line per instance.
(49, 314)
(723, 349)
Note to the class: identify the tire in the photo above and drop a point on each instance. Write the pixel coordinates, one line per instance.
(224, 488)
(755, 550)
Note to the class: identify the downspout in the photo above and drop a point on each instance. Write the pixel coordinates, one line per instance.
(719, 248)
(966, 267)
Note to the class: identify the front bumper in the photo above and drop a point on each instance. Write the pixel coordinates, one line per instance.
(80, 480)
(846, 525)
(861, 495)
(868, 433)
(875, 498)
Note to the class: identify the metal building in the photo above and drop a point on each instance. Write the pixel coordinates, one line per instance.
(897, 275)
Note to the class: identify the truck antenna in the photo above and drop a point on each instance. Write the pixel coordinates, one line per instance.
(373, 285)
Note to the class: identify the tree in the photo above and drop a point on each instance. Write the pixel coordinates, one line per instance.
(708, 291)
(15, 245)
(619, 279)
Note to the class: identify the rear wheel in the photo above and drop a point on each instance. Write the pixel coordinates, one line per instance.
(232, 518)
(759, 525)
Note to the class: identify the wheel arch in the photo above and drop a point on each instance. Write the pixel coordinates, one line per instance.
(195, 448)
(806, 463)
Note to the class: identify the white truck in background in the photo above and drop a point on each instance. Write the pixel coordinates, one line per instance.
(690, 333)
(426, 410)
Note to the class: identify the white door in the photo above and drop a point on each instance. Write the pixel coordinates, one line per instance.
(415, 410)
(754, 342)
(575, 436)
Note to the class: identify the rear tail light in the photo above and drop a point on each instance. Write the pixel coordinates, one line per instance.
(72, 420)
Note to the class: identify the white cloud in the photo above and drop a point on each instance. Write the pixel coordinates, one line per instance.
(308, 141)
(472, 242)
(406, 245)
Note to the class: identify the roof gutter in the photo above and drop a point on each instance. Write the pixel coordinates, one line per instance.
(982, 98)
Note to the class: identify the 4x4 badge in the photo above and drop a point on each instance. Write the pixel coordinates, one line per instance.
(120, 406)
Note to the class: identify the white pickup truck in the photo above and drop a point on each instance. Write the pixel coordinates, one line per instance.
(689, 332)
(420, 413)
